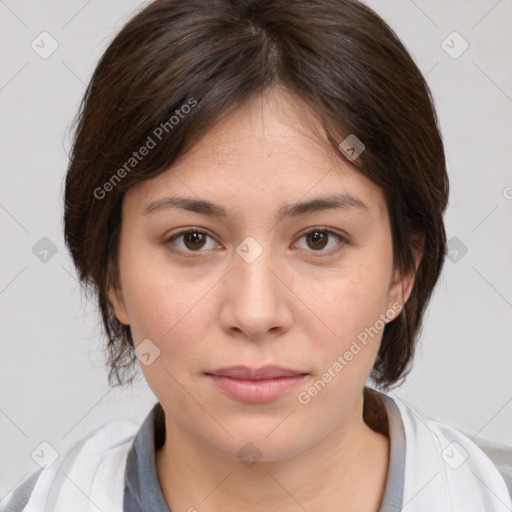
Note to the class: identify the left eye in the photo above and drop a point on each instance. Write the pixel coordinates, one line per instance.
(195, 240)
(317, 239)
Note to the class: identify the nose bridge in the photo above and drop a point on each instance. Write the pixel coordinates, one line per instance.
(252, 268)
(256, 300)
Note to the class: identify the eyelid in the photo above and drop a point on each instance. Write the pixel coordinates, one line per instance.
(323, 228)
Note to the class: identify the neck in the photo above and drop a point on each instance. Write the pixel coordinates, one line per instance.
(348, 467)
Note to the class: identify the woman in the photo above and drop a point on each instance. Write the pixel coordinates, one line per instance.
(256, 195)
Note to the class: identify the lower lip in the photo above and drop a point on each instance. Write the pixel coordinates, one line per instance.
(256, 391)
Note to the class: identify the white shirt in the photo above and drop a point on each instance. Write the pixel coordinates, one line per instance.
(444, 470)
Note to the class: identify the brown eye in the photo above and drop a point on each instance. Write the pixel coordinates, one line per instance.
(318, 239)
(190, 241)
(194, 240)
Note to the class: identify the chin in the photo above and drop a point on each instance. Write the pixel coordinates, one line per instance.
(263, 442)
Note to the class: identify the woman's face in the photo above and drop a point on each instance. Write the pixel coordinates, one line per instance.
(249, 287)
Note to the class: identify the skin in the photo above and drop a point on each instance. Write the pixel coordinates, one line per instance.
(293, 306)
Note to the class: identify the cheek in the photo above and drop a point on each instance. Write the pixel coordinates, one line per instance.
(172, 315)
(352, 299)
(350, 304)
(167, 308)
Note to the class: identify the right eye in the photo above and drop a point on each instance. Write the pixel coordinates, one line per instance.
(193, 240)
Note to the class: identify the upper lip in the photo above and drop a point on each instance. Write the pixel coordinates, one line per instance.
(247, 373)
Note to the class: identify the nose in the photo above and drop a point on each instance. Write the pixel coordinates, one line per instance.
(257, 300)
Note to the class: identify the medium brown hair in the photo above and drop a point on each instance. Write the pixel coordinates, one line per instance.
(338, 56)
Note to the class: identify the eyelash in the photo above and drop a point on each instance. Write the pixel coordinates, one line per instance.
(189, 254)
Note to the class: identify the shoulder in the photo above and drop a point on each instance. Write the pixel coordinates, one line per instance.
(450, 467)
(93, 466)
(21, 493)
(501, 456)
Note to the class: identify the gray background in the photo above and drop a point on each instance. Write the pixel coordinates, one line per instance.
(53, 383)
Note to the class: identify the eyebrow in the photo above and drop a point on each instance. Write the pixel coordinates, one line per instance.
(204, 207)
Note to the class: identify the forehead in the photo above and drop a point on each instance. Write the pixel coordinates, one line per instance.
(267, 153)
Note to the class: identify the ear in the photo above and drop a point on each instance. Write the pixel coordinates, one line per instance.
(115, 297)
(402, 284)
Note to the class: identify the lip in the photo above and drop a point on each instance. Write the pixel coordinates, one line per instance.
(255, 385)
(263, 373)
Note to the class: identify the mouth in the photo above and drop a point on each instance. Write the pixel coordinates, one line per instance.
(255, 385)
